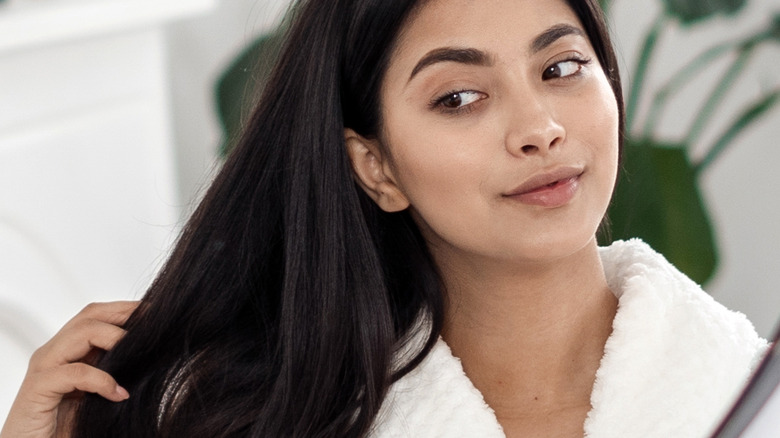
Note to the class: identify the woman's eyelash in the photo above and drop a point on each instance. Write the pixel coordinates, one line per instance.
(456, 101)
(557, 70)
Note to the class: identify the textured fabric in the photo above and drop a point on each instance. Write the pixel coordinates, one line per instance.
(674, 362)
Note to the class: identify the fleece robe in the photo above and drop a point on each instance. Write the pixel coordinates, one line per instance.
(675, 361)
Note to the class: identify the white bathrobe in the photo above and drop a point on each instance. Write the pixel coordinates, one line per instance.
(674, 362)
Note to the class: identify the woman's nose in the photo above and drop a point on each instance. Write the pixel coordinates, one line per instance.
(532, 127)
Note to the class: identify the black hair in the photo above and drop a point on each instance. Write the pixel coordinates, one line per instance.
(289, 292)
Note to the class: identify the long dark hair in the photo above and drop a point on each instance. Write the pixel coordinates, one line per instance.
(289, 292)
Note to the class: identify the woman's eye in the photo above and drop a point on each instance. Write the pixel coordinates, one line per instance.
(564, 69)
(459, 99)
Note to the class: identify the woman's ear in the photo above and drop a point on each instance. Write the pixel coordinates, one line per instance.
(373, 172)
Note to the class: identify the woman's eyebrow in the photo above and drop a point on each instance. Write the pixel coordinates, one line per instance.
(452, 54)
(553, 34)
(477, 57)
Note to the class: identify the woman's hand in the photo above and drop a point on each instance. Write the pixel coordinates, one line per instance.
(58, 374)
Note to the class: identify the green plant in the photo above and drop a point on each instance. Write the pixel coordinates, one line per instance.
(658, 197)
(238, 87)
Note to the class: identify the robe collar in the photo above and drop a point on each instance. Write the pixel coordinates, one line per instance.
(672, 365)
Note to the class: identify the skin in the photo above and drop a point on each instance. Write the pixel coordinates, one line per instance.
(528, 307)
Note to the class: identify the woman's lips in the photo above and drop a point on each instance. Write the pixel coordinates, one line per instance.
(549, 189)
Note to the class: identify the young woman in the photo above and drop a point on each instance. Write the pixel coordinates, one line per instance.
(403, 246)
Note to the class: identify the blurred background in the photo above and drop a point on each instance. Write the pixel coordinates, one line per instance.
(109, 134)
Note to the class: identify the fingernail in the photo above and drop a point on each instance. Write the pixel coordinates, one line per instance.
(122, 392)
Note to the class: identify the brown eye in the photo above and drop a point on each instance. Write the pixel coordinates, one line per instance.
(457, 100)
(453, 100)
(553, 71)
(564, 69)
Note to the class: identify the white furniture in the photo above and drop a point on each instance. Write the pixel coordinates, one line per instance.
(87, 195)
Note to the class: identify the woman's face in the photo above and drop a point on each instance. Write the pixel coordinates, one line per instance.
(500, 129)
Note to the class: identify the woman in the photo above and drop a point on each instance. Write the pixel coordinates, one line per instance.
(422, 181)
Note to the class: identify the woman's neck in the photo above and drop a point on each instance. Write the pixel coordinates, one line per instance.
(531, 339)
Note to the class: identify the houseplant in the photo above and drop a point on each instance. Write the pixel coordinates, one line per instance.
(658, 197)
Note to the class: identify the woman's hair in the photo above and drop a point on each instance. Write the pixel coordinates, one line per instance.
(289, 293)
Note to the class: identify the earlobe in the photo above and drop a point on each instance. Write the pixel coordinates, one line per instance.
(372, 173)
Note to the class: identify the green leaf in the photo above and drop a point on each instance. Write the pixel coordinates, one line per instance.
(726, 82)
(658, 199)
(605, 4)
(774, 27)
(747, 117)
(238, 87)
(692, 11)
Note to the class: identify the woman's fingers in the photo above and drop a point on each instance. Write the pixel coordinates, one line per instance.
(53, 384)
(34, 413)
(75, 342)
(97, 326)
(44, 390)
(58, 369)
(115, 312)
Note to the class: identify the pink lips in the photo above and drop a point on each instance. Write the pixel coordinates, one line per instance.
(549, 189)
